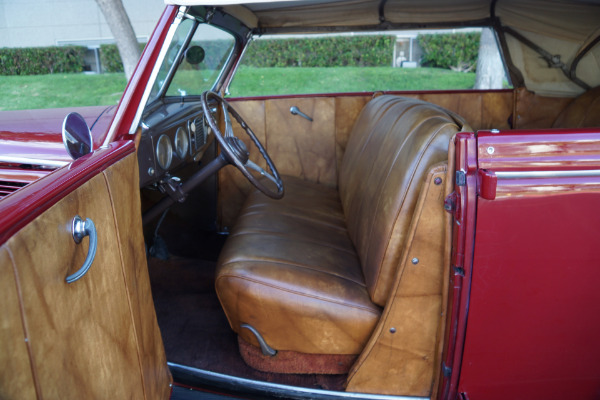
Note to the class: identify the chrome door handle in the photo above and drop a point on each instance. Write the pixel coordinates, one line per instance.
(296, 111)
(81, 229)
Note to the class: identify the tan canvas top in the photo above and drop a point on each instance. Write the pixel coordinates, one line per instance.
(563, 27)
(573, 19)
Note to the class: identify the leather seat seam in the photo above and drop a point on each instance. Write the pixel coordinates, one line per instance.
(296, 238)
(299, 217)
(361, 284)
(378, 313)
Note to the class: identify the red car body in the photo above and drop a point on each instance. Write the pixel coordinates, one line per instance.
(523, 295)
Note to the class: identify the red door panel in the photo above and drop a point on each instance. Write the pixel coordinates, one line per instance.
(534, 306)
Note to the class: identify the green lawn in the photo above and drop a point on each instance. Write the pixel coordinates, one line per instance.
(70, 90)
(258, 81)
(60, 90)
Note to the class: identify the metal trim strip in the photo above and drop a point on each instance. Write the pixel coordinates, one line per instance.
(161, 56)
(275, 389)
(33, 161)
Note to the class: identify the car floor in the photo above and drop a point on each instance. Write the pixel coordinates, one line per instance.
(194, 328)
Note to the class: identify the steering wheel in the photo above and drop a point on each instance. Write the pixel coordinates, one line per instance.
(234, 149)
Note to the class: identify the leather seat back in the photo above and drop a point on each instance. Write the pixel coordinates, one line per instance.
(393, 144)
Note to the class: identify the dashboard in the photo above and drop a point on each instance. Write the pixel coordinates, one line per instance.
(173, 135)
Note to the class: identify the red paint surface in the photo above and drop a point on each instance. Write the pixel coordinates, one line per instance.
(462, 250)
(487, 184)
(534, 311)
(542, 150)
(21, 175)
(13, 179)
(21, 207)
(37, 134)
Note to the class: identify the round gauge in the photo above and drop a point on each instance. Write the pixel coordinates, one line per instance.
(182, 142)
(164, 151)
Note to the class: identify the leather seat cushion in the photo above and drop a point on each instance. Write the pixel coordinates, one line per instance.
(289, 269)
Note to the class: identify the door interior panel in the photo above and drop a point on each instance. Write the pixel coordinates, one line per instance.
(303, 148)
(122, 181)
(536, 112)
(58, 314)
(15, 370)
(98, 331)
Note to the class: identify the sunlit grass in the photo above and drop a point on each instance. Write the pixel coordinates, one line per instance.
(72, 90)
(60, 90)
(272, 81)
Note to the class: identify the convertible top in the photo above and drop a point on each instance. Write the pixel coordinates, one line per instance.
(567, 28)
(565, 19)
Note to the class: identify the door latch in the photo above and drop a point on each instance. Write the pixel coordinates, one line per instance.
(81, 228)
(296, 111)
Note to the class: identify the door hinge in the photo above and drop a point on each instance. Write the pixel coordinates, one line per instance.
(459, 270)
(450, 202)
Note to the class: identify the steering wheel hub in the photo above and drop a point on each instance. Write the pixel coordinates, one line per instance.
(238, 148)
(235, 150)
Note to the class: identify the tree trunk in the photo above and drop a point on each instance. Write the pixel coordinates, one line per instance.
(120, 26)
(490, 70)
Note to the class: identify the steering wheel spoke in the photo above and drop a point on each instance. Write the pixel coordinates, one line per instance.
(234, 149)
(252, 165)
(228, 125)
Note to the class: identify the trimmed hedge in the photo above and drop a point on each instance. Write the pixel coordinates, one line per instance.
(41, 60)
(457, 51)
(338, 51)
(111, 59)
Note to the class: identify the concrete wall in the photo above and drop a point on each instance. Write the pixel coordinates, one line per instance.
(31, 23)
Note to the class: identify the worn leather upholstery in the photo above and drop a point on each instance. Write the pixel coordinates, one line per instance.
(582, 112)
(311, 271)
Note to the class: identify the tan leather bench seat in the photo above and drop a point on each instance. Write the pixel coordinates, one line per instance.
(311, 272)
(296, 271)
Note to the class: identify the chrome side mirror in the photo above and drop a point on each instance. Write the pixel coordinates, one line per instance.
(76, 136)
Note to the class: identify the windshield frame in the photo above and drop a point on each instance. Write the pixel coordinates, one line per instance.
(177, 60)
(200, 14)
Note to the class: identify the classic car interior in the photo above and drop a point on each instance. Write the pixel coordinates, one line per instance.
(318, 285)
(322, 260)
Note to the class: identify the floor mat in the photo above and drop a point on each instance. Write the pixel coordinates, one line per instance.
(195, 330)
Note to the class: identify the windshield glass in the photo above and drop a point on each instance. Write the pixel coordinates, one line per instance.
(194, 68)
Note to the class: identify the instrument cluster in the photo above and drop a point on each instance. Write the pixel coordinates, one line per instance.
(171, 139)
